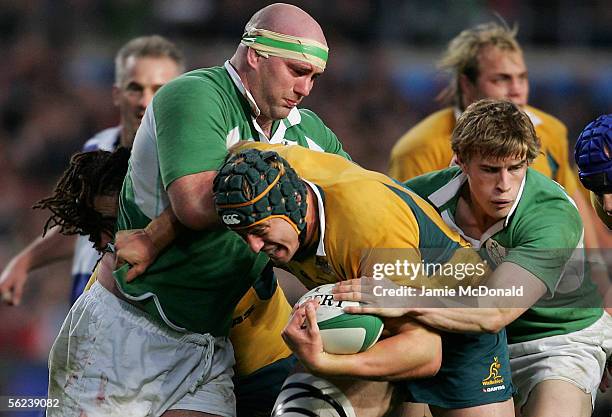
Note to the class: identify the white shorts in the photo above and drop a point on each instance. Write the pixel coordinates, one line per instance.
(578, 358)
(112, 359)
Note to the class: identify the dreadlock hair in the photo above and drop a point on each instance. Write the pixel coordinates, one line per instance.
(90, 174)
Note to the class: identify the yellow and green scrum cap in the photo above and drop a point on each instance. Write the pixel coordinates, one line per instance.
(267, 42)
(254, 186)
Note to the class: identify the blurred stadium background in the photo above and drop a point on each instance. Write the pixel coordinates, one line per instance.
(56, 74)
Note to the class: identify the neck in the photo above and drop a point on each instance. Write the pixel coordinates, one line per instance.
(470, 217)
(126, 137)
(265, 124)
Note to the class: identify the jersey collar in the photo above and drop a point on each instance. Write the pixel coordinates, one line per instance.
(292, 119)
(451, 190)
(321, 245)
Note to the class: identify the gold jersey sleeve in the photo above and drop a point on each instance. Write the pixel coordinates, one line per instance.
(424, 148)
(554, 161)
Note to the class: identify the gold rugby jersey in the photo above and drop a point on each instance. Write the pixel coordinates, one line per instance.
(368, 219)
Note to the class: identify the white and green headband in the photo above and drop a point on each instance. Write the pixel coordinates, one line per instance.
(267, 43)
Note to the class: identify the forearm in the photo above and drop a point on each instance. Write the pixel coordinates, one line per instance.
(490, 314)
(43, 251)
(416, 354)
(462, 320)
(163, 229)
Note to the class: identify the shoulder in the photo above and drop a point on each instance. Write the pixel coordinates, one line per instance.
(433, 131)
(426, 184)
(545, 206)
(310, 119)
(104, 140)
(545, 121)
(200, 85)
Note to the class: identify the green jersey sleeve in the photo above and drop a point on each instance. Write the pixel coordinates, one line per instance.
(190, 127)
(545, 240)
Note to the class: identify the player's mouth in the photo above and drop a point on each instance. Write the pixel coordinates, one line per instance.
(502, 203)
(291, 103)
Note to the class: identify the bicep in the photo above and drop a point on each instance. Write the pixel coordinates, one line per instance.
(191, 198)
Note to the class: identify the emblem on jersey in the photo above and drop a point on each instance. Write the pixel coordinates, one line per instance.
(493, 382)
(497, 253)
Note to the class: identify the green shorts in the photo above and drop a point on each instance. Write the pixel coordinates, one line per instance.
(475, 371)
(257, 392)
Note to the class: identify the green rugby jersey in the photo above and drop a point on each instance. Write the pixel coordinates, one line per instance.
(543, 234)
(196, 283)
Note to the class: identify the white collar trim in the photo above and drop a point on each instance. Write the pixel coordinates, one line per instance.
(293, 118)
(321, 246)
(450, 190)
(240, 85)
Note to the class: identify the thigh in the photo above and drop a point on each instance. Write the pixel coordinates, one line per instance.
(500, 409)
(576, 359)
(557, 398)
(415, 410)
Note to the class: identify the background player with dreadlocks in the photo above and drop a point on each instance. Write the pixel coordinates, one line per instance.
(85, 202)
(142, 66)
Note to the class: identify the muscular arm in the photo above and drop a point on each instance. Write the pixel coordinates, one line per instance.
(43, 251)
(191, 205)
(191, 198)
(493, 313)
(411, 352)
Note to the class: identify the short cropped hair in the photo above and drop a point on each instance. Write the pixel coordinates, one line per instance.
(461, 56)
(153, 46)
(496, 129)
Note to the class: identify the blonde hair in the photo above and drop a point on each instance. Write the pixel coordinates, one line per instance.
(461, 56)
(496, 129)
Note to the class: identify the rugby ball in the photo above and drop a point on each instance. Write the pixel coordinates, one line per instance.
(342, 333)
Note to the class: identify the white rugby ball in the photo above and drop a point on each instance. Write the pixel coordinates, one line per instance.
(342, 333)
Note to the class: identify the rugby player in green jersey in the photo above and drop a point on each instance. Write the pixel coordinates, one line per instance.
(530, 231)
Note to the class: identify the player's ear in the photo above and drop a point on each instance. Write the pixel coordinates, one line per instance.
(459, 162)
(468, 90)
(253, 58)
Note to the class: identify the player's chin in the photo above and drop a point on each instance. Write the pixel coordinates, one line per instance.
(281, 112)
(279, 259)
